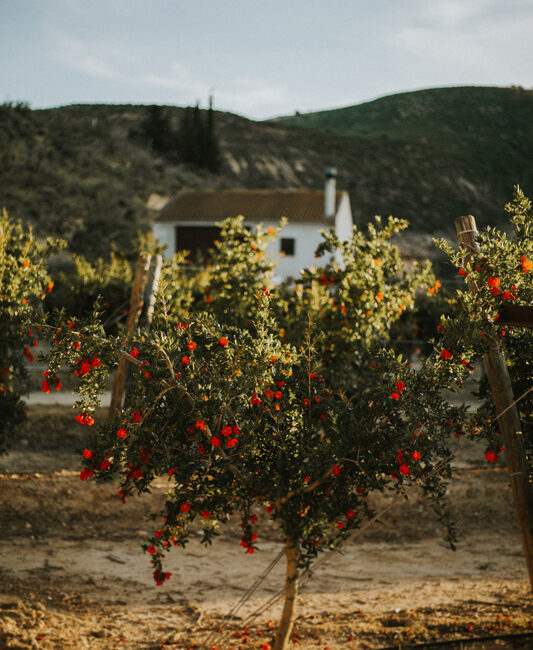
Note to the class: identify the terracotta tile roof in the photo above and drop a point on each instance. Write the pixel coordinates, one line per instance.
(255, 205)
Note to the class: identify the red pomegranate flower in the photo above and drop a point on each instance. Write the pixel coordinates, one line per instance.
(527, 265)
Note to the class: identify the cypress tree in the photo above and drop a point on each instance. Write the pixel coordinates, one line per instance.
(212, 154)
(196, 138)
(156, 129)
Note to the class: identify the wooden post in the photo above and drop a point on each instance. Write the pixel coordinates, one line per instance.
(507, 414)
(136, 303)
(145, 318)
(152, 286)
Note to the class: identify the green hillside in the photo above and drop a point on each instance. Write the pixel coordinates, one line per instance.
(485, 133)
(86, 173)
(437, 114)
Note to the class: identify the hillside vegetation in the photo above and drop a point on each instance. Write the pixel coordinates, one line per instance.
(86, 172)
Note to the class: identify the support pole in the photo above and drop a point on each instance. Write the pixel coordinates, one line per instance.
(136, 304)
(506, 412)
(145, 318)
(150, 292)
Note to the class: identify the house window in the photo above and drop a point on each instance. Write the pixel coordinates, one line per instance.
(287, 246)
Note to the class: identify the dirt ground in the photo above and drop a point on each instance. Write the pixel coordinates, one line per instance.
(73, 574)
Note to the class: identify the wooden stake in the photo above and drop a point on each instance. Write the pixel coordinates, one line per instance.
(145, 318)
(136, 304)
(152, 286)
(507, 413)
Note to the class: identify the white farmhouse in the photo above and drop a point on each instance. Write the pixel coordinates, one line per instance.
(188, 221)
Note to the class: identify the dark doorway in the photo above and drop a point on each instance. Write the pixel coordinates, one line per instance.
(196, 239)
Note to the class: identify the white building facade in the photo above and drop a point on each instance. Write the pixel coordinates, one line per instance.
(188, 221)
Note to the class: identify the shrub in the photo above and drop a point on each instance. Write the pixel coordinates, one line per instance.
(239, 419)
(501, 273)
(354, 300)
(77, 289)
(24, 284)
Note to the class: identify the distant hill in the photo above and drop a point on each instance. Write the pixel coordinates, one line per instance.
(481, 138)
(86, 173)
(436, 114)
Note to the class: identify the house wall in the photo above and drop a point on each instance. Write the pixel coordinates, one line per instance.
(343, 223)
(343, 218)
(306, 236)
(164, 232)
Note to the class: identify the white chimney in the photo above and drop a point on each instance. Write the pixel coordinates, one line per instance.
(329, 192)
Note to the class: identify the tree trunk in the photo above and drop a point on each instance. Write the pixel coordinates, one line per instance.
(291, 588)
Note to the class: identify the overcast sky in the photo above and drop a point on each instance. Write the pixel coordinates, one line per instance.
(261, 58)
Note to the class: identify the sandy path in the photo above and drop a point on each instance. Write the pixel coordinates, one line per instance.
(382, 575)
(96, 593)
(73, 575)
